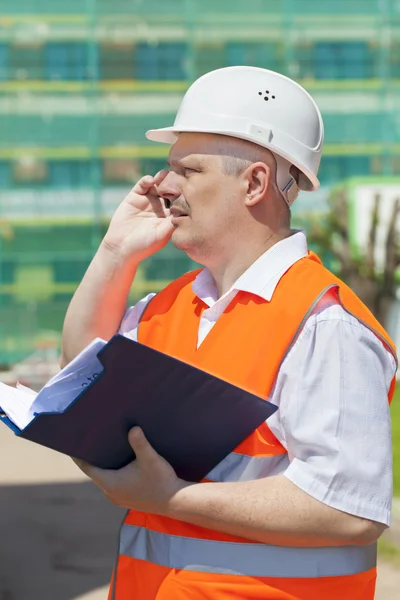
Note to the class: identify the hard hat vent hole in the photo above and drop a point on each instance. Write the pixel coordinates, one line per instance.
(266, 97)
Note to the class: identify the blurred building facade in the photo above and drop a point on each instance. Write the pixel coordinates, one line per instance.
(81, 82)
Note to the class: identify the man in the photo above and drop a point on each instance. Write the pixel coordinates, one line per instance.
(295, 511)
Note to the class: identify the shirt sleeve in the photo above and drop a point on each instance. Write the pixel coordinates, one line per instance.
(130, 322)
(334, 417)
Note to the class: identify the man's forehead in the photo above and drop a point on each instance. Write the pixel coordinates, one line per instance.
(197, 146)
(177, 158)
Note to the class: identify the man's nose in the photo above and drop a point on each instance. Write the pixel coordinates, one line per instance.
(169, 188)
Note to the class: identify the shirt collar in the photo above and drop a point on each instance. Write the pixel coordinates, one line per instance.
(262, 277)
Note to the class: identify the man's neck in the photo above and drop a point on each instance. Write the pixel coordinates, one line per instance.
(226, 272)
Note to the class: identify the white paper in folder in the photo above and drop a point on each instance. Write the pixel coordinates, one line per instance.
(21, 404)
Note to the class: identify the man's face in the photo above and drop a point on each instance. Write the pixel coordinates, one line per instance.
(205, 203)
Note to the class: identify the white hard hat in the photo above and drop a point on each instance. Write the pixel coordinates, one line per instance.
(260, 106)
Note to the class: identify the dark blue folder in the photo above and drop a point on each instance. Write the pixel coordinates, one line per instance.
(191, 418)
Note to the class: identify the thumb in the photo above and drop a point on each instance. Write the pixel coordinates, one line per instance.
(140, 445)
(165, 228)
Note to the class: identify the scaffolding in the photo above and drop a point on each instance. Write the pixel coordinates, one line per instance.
(81, 82)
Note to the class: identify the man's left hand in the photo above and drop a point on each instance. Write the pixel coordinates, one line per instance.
(146, 484)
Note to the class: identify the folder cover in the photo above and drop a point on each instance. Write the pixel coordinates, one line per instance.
(190, 417)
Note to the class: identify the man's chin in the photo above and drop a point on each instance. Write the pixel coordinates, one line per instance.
(181, 241)
(178, 239)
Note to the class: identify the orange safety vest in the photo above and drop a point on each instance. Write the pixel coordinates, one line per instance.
(165, 559)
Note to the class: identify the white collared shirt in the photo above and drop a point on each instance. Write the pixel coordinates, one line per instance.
(331, 391)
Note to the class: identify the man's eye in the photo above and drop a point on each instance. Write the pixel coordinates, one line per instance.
(190, 170)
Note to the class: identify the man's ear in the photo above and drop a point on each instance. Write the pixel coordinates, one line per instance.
(258, 179)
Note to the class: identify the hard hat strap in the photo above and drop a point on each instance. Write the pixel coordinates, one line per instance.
(286, 182)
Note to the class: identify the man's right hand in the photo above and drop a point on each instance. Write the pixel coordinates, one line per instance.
(141, 225)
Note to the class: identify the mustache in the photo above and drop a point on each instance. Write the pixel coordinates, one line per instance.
(182, 206)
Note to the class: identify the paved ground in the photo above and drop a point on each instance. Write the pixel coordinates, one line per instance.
(58, 533)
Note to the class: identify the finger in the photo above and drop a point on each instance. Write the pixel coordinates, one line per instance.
(100, 477)
(160, 176)
(144, 185)
(81, 464)
(158, 206)
(158, 179)
(140, 445)
(88, 469)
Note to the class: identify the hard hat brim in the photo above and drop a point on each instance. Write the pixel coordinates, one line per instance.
(169, 135)
(166, 135)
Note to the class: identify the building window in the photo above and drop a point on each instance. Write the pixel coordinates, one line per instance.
(7, 270)
(29, 171)
(117, 61)
(4, 174)
(209, 57)
(66, 61)
(302, 65)
(342, 60)
(26, 61)
(160, 62)
(121, 172)
(376, 165)
(33, 282)
(151, 166)
(69, 174)
(258, 54)
(3, 62)
(335, 168)
(355, 127)
(396, 165)
(71, 270)
(395, 60)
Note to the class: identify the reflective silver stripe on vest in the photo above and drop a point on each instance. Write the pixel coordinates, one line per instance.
(240, 467)
(254, 560)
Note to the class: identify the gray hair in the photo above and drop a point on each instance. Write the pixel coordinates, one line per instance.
(237, 155)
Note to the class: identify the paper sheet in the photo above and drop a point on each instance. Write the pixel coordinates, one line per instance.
(21, 403)
(17, 404)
